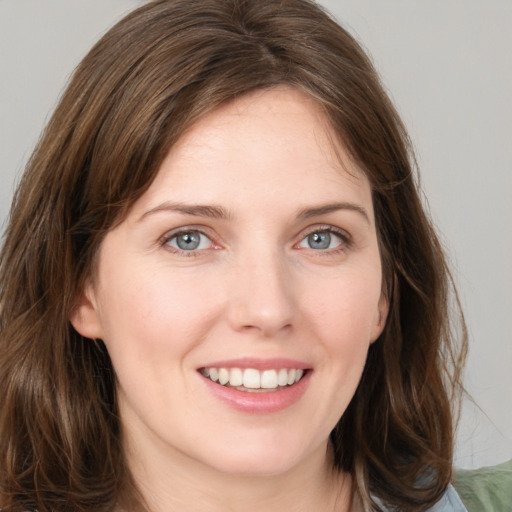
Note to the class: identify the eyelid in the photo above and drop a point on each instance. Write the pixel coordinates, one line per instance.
(345, 236)
(163, 241)
(342, 233)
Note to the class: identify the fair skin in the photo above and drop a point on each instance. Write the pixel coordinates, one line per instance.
(252, 255)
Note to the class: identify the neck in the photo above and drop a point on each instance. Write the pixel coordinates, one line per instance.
(172, 481)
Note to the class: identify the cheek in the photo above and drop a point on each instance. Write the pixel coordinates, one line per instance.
(346, 308)
(150, 314)
(339, 318)
(342, 317)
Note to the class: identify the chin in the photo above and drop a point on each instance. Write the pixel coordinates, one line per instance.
(242, 467)
(259, 459)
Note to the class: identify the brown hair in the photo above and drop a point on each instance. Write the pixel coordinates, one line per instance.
(147, 80)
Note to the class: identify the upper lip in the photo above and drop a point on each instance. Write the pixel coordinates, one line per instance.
(259, 364)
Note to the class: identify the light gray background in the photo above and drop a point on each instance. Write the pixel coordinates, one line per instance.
(448, 65)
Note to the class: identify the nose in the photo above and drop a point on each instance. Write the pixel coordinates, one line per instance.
(261, 296)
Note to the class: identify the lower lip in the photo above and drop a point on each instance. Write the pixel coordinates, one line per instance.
(260, 402)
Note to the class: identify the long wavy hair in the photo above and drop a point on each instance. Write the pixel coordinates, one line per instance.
(142, 85)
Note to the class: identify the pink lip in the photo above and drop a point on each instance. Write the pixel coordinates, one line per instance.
(259, 364)
(260, 402)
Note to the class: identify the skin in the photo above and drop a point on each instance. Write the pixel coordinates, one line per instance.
(254, 288)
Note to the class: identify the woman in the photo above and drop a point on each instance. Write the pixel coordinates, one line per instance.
(219, 288)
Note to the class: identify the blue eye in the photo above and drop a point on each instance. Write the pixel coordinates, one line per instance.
(321, 240)
(191, 240)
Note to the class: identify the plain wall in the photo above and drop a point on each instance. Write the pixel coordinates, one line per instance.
(448, 65)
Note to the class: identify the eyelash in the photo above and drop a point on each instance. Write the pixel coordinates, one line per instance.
(164, 242)
(345, 244)
(346, 241)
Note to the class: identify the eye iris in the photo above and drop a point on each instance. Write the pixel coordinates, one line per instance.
(188, 241)
(319, 240)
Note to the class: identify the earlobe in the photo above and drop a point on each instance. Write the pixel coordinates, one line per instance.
(382, 314)
(84, 317)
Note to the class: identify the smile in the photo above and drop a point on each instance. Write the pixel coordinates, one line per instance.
(253, 380)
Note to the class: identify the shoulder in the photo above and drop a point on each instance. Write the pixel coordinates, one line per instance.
(450, 502)
(476, 490)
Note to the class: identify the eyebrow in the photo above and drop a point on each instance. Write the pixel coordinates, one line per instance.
(218, 212)
(197, 210)
(308, 213)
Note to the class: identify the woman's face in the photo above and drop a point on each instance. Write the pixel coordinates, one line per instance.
(253, 255)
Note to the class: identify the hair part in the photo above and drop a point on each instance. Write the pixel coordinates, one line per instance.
(138, 90)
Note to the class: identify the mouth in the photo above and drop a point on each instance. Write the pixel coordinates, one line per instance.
(257, 386)
(252, 380)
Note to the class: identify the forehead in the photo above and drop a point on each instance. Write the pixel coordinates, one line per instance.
(274, 145)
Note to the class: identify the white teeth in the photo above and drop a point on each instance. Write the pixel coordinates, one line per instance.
(282, 377)
(269, 379)
(254, 379)
(223, 376)
(236, 377)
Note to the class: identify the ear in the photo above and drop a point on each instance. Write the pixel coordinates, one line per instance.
(85, 316)
(381, 316)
